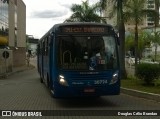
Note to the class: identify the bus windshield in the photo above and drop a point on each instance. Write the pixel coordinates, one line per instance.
(87, 52)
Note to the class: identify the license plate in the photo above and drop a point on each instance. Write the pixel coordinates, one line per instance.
(89, 90)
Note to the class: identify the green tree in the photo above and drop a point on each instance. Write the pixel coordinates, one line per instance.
(155, 40)
(129, 42)
(156, 16)
(155, 37)
(85, 13)
(121, 30)
(103, 5)
(135, 13)
(143, 42)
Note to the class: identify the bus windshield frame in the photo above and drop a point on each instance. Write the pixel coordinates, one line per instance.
(87, 52)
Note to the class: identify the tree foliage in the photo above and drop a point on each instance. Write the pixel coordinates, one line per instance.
(143, 42)
(135, 12)
(85, 13)
(155, 40)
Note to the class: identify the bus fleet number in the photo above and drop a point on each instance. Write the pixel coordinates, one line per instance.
(100, 82)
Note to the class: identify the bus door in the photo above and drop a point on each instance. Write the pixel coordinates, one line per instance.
(46, 58)
(50, 53)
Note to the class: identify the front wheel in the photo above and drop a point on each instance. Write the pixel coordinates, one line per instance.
(52, 94)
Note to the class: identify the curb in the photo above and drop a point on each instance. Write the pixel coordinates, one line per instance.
(136, 93)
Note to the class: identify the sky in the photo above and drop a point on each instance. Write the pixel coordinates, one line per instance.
(41, 15)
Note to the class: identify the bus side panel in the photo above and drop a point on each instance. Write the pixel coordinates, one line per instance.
(46, 61)
(39, 63)
(45, 67)
(39, 60)
(52, 63)
(38, 50)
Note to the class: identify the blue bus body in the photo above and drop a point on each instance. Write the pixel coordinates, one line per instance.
(61, 71)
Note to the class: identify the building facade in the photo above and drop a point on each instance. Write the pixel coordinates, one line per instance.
(4, 24)
(148, 24)
(13, 29)
(150, 5)
(148, 21)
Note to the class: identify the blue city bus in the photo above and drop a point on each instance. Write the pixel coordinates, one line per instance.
(79, 60)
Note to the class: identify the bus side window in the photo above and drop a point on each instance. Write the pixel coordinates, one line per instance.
(46, 47)
(43, 48)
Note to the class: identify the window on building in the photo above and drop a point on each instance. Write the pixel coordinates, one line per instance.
(150, 24)
(150, 2)
(150, 6)
(4, 30)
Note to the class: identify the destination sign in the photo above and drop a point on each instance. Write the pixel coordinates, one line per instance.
(83, 29)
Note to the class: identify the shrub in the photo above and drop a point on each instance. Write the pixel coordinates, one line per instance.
(157, 82)
(148, 72)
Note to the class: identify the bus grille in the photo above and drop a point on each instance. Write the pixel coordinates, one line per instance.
(75, 76)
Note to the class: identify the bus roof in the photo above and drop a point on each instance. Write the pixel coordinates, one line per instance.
(75, 23)
(80, 23)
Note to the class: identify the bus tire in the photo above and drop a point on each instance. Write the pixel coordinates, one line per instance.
(52, 93)
(49, 85)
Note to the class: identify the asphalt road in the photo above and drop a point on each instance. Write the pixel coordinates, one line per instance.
(23, 91)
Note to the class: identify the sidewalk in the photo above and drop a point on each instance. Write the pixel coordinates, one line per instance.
(16, 70)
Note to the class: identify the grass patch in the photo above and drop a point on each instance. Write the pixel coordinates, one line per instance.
(137, 84)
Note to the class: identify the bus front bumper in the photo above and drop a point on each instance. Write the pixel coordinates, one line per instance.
(87, 91)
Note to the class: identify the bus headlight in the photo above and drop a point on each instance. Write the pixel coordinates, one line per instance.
(114, 78)
(62, 80)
